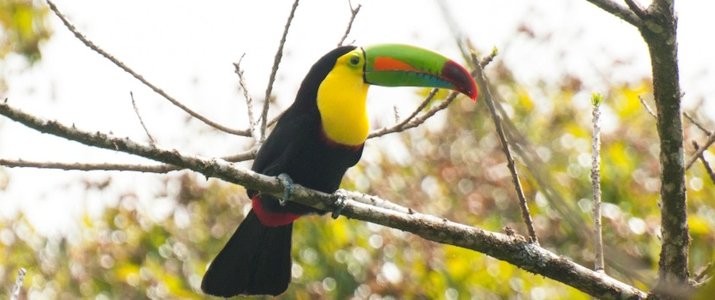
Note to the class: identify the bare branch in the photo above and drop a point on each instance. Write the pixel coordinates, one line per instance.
(139, 77)
(636, 9)
(487, 96)
(144, 168)
(18, 284)
(157, 168)
(512, 249)
(647, 107)
(699, 152)
(696, 123)
(416, 121)
(152, 141)
(274, 70)
(353, 14)
(697, 147)
(243, 156)
(703, 273)
(249, 100)
(599, 266)
(707, 166)
(275, 119)
(619, 11)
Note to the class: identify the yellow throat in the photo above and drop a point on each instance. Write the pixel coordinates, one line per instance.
(342, 100)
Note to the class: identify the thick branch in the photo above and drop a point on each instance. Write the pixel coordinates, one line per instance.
(513, 249)
(659, 33)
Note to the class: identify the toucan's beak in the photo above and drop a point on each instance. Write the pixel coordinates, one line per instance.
(404, 65)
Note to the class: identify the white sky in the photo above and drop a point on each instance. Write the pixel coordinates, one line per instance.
(188, 47)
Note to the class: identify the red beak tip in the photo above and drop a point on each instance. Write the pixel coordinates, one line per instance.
(461, 79)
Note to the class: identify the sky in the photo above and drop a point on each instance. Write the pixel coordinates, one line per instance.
(188, 47)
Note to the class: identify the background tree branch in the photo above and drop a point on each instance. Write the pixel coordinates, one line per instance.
(657, 25)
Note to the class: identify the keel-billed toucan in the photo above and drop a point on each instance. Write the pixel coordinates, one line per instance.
(316, 140)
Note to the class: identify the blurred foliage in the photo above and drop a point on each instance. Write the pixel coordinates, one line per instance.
(23, 26)
(457, 171)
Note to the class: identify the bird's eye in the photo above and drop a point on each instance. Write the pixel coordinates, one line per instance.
(355, 60)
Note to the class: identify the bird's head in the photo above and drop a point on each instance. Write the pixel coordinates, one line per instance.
(345, 74)
(404, 65)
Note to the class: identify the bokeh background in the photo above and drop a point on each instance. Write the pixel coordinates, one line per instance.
(108, 235)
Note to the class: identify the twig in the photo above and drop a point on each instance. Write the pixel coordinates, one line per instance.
(416, 121)
(512, 249)
(139, 77)
(708, 169)
(400, 125)
(647, 107)
(596, 182)
(699, 152)
(636, 9)
(487, 96)
(703, 273)
(152, 141)
(618, 11)
(696, 123)
(247, 96)
(18, 284)
(144, 168)
(243, 156)
(353, 14)
(275, 119)
(489, 58)
(159, 168)
(274, 70)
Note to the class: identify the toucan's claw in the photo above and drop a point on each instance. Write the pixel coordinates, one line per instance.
(339, 204)
(287, 188)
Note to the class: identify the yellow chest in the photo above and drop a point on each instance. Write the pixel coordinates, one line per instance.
(341, 101)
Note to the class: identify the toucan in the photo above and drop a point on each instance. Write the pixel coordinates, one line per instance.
(319, 137)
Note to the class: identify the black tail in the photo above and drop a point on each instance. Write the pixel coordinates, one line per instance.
(255, 261)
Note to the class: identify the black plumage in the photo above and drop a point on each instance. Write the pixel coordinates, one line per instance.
(256, 260)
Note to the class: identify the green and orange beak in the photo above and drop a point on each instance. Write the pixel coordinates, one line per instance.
(404, 65)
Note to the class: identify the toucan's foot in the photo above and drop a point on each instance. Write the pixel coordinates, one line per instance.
(339, 204)
(287, 188)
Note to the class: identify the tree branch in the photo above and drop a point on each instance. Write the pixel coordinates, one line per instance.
(413, 121)
(139, 77)
(15, 294)
(699, 151)
(513, 249)
(144, 168)
(141, 121)
(157, 168)
(707, 166)
(353, 14)
(249, 100)
(487, 96)
(619, 11)
(660, 35)
(274, 70)
(596, 183)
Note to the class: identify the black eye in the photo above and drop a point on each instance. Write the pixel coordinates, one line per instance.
(354, 60)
